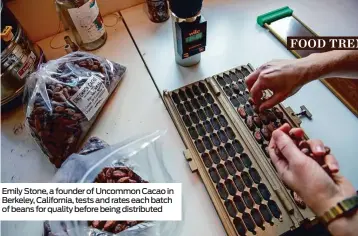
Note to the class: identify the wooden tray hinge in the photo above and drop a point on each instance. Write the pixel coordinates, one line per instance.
(189, 157)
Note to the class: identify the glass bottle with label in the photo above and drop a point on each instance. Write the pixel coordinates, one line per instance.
(84, 20)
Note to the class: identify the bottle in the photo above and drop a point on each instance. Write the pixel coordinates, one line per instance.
(187, 21)
(84, 20)
(158, 10)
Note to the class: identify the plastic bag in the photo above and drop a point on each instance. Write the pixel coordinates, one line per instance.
(141, 155)
(64, 97)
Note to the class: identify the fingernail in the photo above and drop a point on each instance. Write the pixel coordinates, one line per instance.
(320, 148)
(333, 168)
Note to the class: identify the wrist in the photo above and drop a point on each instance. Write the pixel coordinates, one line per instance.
(344, 226)
(318, 66)
(325, 203)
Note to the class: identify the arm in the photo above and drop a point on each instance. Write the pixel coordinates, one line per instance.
(307, 178)
(340, 63)
(284, 77)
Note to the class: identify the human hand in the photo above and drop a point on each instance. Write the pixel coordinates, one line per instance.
(282, 77)
(304, 175)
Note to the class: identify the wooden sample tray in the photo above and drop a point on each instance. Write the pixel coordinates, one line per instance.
(230, 157)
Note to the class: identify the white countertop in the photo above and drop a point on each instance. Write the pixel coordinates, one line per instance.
(234, 39)
(135, 108)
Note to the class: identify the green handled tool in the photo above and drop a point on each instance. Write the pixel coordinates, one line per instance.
(282, 23)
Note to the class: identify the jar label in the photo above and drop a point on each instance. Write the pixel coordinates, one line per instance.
(88, 21)
(91, 96)
(27, 66)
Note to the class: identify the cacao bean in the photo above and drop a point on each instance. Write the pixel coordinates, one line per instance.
(119, 228)
(271, 127)
(59, 86)
(257, 121)
(264, 119)
(109, 173)
(266, 133)
(242, 112)
(109, 225)
(82, 63)
(65, 92)
(59, 109)
(119, 174)
(277, 113)
(132, 181)
(74, 90)
(271, 116)
(40, 110)
(70, 111)
(123, 180)
(258, 137)
(250, 123)
(59, 97)
(49, 92)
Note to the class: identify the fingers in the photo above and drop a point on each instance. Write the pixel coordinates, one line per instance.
(286, 145)
(317, 147)
(332, 163)
(272, 101)
(278, 161)
(256, 90)
(252, 78)
(285, 128)
(298, 133)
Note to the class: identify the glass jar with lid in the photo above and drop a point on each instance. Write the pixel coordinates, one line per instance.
(84, 20)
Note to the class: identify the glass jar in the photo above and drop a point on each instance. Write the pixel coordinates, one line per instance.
(84, 20)
(158, 10)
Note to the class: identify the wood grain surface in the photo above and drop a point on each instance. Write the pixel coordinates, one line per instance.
(346, 90)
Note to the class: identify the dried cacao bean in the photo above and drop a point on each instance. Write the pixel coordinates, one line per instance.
(119, 174)
(70, 111)
(59, 109)
(242, 112)
(109, 173)
(257, 121)
(250, 123)
(123, 179)
(59, 97)
(109, 225)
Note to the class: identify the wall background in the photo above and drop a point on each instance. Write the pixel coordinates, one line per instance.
(40, 19)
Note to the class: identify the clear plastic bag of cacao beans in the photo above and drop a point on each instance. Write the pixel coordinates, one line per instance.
(135, 160)
(64, 97)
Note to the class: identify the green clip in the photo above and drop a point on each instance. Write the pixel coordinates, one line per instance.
(274, 15)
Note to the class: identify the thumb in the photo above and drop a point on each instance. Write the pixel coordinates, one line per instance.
(286, 146)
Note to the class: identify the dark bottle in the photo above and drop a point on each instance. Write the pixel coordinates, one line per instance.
(158, 10)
